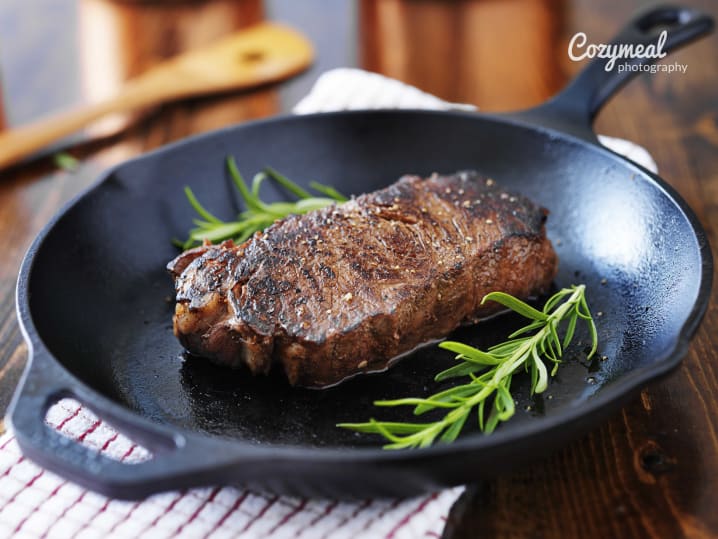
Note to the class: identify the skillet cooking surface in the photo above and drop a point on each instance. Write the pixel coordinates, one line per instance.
(95, 302)
(101, 297)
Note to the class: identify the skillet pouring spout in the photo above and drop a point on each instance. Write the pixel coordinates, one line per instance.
(103, 334)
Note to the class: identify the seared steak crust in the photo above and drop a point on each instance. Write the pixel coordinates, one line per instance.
(345, 289)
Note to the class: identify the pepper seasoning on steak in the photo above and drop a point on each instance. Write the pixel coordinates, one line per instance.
(347, 288)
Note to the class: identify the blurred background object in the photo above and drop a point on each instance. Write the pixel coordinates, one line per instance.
(243, 60)
(121, 40)
(497, 54)
(39, 57)
(65, 53)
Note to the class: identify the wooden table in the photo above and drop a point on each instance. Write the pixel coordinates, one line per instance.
(652, 470)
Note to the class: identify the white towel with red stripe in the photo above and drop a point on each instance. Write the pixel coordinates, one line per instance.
(35, 503)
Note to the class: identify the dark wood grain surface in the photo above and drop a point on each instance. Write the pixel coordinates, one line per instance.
(652, 470)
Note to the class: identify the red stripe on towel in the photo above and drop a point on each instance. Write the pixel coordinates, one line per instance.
(64, 512)
(97, 514)
(89, 431)
(30, 482)
(36, 477)
(18, 461)
(108, 442)
(235, 506)
(7, 442)
(259, 515)
(393, 505)
(418, 509)
(286, 518)
(330, 507)
(166, 511)
(359, 509)
(211, 497)
(64, 422)
(82, 496)
(82, 436)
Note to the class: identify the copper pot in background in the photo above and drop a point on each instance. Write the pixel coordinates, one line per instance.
(497, 54)
(121, 39)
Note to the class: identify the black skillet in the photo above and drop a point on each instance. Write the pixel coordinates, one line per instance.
(93, 299)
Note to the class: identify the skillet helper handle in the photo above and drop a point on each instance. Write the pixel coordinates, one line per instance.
(657, 30)
(42, 385)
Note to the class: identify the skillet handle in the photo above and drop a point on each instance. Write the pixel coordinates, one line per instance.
(176, 461)
(663, 29)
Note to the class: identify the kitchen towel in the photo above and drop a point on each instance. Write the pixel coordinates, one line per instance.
(37, 503)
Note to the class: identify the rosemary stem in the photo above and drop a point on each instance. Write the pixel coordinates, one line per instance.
(519, 357)
(513, 362)
(529, 347)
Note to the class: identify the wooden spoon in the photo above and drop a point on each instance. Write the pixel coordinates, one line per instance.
(258, 55)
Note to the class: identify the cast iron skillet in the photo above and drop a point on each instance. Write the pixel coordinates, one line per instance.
(93, 299)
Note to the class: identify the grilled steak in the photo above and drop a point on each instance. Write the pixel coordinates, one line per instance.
(346, 289)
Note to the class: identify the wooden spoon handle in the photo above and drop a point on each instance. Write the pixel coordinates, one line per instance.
(20, 142)
(265, 53)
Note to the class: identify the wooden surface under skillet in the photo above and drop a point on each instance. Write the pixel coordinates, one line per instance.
(652, 470)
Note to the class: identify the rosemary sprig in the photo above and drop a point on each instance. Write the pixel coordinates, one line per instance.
(258, 215)
(490, 373)
(66, 161)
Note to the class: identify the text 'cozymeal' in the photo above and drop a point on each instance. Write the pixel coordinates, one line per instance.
(578, 49)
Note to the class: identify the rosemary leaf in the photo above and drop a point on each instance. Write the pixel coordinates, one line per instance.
(288, 184)
(515, 304)
(258, 215)
(328, 191)
(66, 162)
